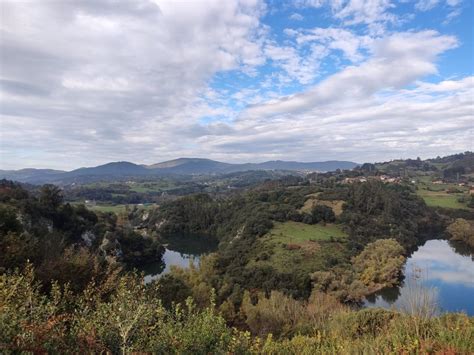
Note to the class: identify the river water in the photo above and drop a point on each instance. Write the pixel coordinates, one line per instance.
(182, 251)
(444, 268)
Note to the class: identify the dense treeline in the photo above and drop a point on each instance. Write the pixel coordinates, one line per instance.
(376, 210)
(122, 193)
(65, 242)
(253, 212)
(448, 167)
(137, 190)
(76, 292)
(371, 211)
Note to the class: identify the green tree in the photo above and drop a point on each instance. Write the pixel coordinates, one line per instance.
(380, 263)
(51, 196)
(462, 230)
(322, 213)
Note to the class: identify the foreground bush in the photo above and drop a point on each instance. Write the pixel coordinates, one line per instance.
(123, 316)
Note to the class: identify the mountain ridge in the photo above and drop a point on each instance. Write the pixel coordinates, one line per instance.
(180, 166)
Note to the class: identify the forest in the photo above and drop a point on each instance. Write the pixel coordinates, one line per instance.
(236, 177)
(294, 263)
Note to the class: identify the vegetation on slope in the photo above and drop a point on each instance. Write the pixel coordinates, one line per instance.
(286, 278)
(121, 315)
(462, 230)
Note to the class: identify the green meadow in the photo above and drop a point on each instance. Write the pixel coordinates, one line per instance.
(298, 248)
(296, 232)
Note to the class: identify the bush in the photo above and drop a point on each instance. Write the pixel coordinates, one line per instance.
(462, 230)
(366, 322)
(172, 290)
(380, 263)
(125, 316)
(322, 213)
(281, 315)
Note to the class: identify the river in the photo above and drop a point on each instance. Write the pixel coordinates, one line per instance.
(445, 269)
(181, 251)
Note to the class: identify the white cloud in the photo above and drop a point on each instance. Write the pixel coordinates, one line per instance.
(125, 69)
(464, 84)
(365, 108)
(301, 68)
(362, 11)
(335, 39)
(296, 17)
(452, 15)
(85, 83)
(411, 53)
(373, 13)
(425, 5)
(454, 10)
(453, 2)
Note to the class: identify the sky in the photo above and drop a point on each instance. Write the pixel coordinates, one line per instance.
(88, 82)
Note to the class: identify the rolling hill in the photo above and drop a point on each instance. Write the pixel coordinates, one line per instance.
(181, 166)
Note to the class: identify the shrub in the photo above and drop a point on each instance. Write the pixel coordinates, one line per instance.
(322, 213)
(366, 322)
(462, 230)
(380, 263)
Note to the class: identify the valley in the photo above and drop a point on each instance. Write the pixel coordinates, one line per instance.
(271, 253)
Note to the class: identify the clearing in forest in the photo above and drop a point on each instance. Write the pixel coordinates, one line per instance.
(300, 249)
(296, 232)
(312, 201)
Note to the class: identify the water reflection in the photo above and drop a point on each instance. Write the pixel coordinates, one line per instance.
(447, 267)
(462, 249)
(389, 296)
(180, 251)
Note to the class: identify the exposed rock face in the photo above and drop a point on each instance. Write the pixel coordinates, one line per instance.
(110, 246)
(88, 237)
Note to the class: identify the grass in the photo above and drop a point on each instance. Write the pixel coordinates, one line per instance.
(444, 200)
(116, 208)
(312, 201)
(107, 208)
(299, 248)
(155, 186)
(147, 188)
(295, 232)
(435, 195)
(133, 186)
(143, 189)
(383, 332)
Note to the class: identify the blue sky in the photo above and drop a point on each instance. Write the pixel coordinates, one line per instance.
(84, 83)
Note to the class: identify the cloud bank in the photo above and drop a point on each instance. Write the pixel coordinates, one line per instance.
(84, 83)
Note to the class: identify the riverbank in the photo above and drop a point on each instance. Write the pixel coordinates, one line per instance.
(445, 269)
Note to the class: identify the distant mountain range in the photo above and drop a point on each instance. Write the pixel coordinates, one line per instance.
(181, 166)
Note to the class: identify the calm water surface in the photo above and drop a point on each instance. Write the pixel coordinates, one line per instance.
(181, 252)
(446, 268)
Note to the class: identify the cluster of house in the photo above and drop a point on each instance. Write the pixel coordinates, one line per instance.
(440, 182)
(384, 178)
(461, 184)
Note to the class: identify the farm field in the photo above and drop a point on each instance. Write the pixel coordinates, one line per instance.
(443, 199)
(158, 186)
(107, 208)
(116, 208)
(436, 195)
